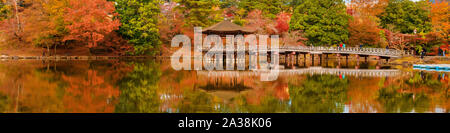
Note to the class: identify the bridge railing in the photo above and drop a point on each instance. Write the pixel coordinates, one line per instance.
(348, 50)
(351, 50)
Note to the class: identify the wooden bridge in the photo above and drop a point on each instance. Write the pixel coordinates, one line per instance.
(311, 71)
(296, 50)
(345, 51)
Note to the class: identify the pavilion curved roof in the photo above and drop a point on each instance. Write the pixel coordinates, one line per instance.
(227, 28)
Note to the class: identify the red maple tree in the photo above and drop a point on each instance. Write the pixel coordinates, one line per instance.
(90, 21)
(282, 22)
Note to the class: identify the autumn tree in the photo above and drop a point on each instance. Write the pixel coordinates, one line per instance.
(282, 22)
(44, 24)
(89, 21)
(440, 19)
(12, 24)
(406, 16)
(363, 30)
(324, 22)
(170, 22)
(200, 12)
(257, 21)
(364, 27)
(368, 7)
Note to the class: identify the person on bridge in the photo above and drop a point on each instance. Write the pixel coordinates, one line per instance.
(387, 48)
(360, 46)
(340, 47)
(343, 45)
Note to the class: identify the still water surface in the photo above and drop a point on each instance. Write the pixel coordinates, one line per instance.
(149, 86)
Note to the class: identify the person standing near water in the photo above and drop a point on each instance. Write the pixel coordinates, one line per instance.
(343, 45)
(340, 47)
(422, 53)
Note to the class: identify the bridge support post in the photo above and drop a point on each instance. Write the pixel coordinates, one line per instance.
(320, 59)
(286, 58)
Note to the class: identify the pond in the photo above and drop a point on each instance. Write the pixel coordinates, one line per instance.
(153, 86)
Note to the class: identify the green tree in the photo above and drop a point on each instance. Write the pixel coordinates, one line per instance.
(322, 21)
(200, 12)
(139, 20)
(406, 16)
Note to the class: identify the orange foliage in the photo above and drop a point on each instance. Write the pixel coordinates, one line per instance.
(89, 94)
(440, 14)
(363, 30)
(90, 21)
(368, 7)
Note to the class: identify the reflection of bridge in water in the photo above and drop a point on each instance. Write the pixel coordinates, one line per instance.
(311, 71)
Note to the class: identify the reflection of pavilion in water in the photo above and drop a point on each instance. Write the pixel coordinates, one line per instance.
(225, 89)
(228, 88)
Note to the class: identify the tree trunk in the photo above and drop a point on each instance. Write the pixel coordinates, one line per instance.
(55, 50)
(48, 51)
(19, 27)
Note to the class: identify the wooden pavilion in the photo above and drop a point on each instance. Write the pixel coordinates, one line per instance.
(227, 28)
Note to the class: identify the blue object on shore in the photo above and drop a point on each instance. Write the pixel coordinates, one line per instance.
(433, 67)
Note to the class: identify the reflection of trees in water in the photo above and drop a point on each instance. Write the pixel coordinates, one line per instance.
(268, 104)
(319, 94)
(88, 86)
(75, 86)
(316, 94)
(422, 79)
(420, 93)
(5, 103)
(139, 89)
(197, 102)
(395, 101)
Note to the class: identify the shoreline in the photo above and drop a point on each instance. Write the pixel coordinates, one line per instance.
(395, 61)
(3, 57)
